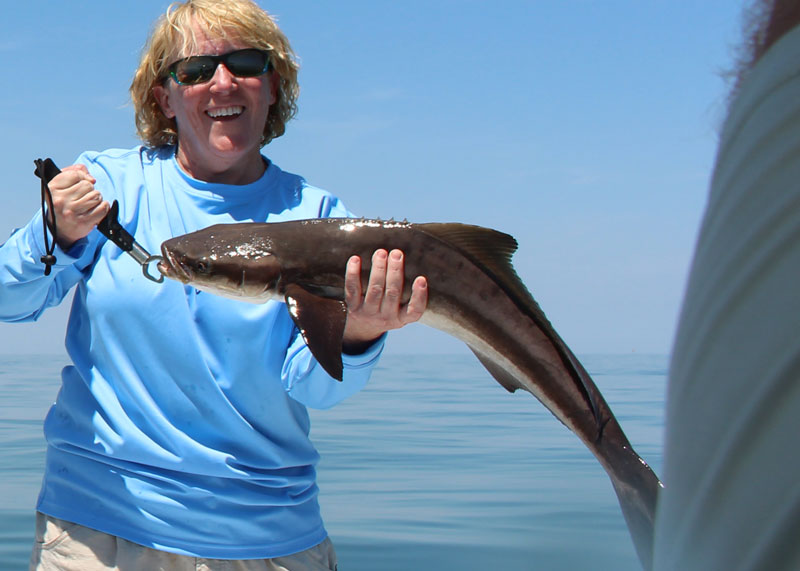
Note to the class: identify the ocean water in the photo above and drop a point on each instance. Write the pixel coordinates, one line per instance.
(433, 466)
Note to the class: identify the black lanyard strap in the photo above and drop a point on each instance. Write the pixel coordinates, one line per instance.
(46, 170)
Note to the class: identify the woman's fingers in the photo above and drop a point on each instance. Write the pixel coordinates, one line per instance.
(393, 290)
(378, 308)
(419, 300)
(377, 283)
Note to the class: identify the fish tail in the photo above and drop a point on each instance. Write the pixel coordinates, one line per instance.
(637, 488)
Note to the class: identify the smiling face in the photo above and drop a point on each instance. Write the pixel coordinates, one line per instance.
(220, 122)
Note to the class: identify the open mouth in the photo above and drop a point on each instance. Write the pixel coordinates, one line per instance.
(171, 267)
(225, 113)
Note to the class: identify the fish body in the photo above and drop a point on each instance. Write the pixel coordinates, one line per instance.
(474, 295)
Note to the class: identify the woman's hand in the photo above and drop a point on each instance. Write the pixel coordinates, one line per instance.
(372, 313)
(77, 204)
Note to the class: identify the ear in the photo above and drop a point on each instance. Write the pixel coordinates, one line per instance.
(161, 94)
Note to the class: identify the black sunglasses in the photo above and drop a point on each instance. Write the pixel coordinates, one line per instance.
(199, 69)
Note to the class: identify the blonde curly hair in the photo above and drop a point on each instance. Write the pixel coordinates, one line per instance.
(173, 36)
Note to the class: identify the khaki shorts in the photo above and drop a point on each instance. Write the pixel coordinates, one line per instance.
(65, 546)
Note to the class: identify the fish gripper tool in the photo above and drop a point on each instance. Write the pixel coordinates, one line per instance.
(109, 226)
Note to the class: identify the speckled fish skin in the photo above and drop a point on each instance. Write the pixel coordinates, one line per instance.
(474, 295)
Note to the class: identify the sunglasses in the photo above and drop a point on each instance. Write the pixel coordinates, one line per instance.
(200, 69)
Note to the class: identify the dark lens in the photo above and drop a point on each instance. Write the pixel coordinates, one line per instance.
(199, 69)
(247, 63)
(195, 69)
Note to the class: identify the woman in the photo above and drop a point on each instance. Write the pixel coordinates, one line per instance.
(181, 431)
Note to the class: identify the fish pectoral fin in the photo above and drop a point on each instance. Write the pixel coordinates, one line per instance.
(321, 322)
(507, 381)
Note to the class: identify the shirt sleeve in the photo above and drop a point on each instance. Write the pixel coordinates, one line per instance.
(25, 292)
(308, 383)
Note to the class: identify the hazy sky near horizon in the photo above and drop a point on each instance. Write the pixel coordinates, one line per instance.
(585, 129)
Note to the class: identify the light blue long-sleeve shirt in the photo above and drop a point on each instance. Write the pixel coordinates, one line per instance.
(181, 423)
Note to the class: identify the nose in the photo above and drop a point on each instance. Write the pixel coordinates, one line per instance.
(222, 80)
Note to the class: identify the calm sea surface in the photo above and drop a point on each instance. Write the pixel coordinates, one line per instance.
(433, 466)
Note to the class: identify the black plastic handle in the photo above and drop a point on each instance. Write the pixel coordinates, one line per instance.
(47, 168)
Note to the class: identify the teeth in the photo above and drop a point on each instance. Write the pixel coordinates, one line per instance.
(225, 111)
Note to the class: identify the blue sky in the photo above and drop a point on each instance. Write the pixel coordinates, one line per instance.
(586, 129)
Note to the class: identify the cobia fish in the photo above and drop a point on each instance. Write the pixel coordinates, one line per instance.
(474, 294)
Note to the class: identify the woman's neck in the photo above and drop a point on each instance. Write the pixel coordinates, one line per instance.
(245, 171)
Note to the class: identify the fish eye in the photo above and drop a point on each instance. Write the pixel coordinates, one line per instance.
(202, 265)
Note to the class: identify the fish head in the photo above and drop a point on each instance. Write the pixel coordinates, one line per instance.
(224, 260)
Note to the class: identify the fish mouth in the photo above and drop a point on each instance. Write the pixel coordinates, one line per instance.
(174, 269)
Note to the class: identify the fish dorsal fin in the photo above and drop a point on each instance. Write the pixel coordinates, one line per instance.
(488, 249)
(482, 243)
(492, 250)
